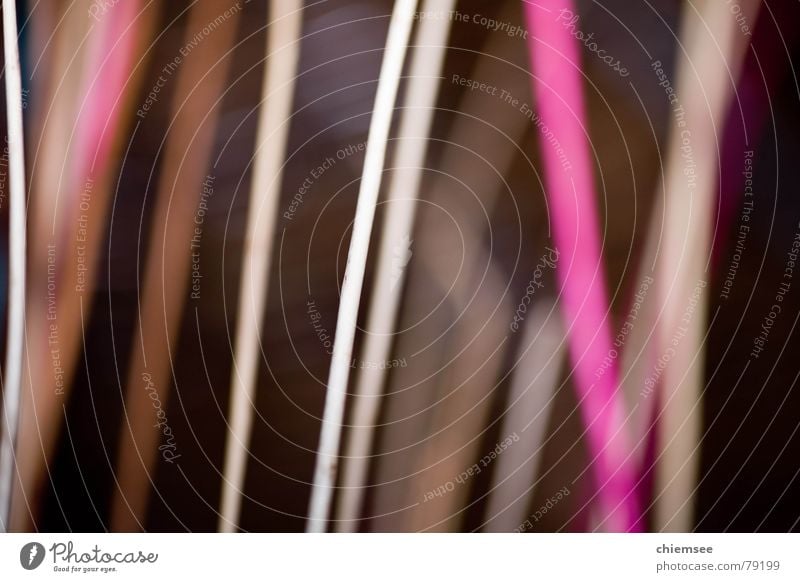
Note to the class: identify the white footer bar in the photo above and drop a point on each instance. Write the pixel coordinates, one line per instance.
(406, 557)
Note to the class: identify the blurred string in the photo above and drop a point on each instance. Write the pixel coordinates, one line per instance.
(325, 471)
(712, 49)
(475, 336)
(440, 404)
(747, 115)
(557, 86)
(58, 70)
(641, 380)
(188, 144)
(71, 203)
(82, 120)
(12, 380)
(750, 113)
(424, 82)
(283, 52)
(542, 354)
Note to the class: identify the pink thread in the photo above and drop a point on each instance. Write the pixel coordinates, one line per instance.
(569, 177)
(108, 71)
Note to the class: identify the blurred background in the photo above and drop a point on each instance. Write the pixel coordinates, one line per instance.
(145, 128)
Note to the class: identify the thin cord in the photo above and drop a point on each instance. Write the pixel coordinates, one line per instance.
(16, 295)
(196, 107)
(77, 126)
(557, 86)
(330, 436)
(401, 204)
(283, 52)
(533, 391)
(706, 75)
(480, 159)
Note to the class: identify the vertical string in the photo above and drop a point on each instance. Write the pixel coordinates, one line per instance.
(12, 383)
(448, 384)
(283, 51)
(708, 66)
(555, 60)
(530, 400)
(83, 148)
(60, 75)
(195, 110)
(401, 204)
(330, 435)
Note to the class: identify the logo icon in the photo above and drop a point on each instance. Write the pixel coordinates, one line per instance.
(401, 256)
(31, 555)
